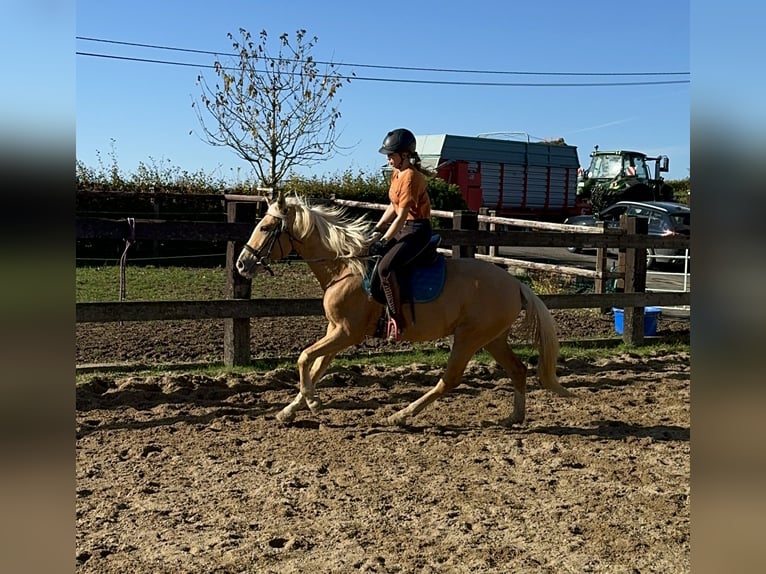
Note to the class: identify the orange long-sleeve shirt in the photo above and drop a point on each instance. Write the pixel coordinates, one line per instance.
(408, 189)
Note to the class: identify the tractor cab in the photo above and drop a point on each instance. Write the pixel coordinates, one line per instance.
(621, 175)
(625, 164)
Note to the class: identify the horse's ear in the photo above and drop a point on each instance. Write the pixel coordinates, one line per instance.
(281, 203)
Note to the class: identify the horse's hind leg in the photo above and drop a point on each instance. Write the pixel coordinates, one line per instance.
(287, 414)
(502, 353)
(453, 374)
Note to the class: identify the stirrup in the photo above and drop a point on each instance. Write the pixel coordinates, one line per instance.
(393, 333)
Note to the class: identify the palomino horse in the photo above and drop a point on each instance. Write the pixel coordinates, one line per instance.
(477, 306)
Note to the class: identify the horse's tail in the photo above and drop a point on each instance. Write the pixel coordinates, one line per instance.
(543, 333)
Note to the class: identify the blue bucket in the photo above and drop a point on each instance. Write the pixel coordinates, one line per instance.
(651, 315)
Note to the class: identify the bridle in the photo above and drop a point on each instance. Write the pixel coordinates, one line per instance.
(262, 253)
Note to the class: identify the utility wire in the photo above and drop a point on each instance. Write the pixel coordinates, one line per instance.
(382, 67)
(405, 81)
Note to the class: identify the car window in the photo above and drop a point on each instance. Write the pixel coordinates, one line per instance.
(659, 223)
(613, 213)
(639, 212)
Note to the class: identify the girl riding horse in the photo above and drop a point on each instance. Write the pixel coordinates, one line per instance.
(404, 229)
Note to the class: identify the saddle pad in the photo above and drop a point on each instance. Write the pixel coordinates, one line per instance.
(427, 282)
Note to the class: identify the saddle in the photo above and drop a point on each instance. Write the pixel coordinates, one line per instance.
(421, 279)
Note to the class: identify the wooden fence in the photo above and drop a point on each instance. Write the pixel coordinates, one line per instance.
(465, 239)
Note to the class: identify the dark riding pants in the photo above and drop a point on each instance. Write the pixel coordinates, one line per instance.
(407, 244)
(410, 241)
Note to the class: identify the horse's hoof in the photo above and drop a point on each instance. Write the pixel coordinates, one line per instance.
(396, 420)
(285, 417)
(510, 422)
(315, 406)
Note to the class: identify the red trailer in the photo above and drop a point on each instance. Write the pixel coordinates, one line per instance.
(522, 179)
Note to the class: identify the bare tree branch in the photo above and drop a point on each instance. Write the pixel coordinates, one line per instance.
(276, 111)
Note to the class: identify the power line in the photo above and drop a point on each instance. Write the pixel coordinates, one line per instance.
(406, 81)
(382, 67)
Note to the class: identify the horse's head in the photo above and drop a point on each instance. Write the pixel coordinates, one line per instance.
(270, 239)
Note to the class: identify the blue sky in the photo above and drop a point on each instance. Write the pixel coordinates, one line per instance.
(146, 108)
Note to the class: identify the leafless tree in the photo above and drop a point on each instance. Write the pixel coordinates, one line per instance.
(274, 110)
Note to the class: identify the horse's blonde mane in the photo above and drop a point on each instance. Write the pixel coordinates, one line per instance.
(344, 236)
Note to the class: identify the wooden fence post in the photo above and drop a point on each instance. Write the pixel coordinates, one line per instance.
(600, 283)
(635, 280)
(601, 259)
(157, 207)
(484, 226)
(492, 227)
(236, 334)
(465, 220)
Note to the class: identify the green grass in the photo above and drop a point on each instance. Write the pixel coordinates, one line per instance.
(433, 357)
(149, 283)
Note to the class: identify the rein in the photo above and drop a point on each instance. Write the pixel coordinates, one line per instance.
(288, 260)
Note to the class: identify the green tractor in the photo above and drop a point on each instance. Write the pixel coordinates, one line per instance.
(622, 175)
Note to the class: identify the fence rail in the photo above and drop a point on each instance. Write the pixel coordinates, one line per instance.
(465, 240)
(113, 311)
(151, 229)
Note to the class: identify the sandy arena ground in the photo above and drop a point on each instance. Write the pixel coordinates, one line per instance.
(192, 473)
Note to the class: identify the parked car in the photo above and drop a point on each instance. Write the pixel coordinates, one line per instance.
(665, 218)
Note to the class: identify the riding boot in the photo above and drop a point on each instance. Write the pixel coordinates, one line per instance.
(393, 298)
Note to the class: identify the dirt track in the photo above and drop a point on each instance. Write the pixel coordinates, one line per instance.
(158, 342)
(188, 473)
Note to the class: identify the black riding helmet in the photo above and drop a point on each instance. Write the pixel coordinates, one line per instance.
(398, 141)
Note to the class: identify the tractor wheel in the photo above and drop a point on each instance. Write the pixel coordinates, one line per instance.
(638, 192)
(666, 193)
(600, 199)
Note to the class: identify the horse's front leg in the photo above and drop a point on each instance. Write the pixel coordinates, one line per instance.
(328, 346)
(307, 382)
(287, 414)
